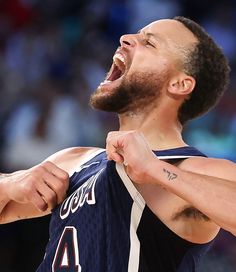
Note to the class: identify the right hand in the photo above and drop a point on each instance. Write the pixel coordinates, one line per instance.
(43, 185)
(131, 148)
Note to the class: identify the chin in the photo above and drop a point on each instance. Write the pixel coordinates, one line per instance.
(110, 97)
(108, 86)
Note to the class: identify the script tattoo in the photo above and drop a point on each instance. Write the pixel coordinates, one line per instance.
(170, 175)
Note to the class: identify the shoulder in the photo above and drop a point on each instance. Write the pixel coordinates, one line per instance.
(221, 168)
(70, 158)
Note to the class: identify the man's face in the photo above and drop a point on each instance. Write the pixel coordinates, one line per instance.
(142, 67)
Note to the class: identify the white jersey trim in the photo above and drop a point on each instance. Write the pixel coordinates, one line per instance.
(136, 214)
(81, 166)
(134, 193)
(174, 157)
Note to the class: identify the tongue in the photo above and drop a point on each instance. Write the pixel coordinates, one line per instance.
(116, 73)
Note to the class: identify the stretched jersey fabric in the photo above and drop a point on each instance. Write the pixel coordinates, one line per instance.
(104, 225)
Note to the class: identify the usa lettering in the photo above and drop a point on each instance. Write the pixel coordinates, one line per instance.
(85, 193)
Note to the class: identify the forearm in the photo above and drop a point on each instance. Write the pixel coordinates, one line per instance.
(213, 196)
(4, 199)
(4, 180)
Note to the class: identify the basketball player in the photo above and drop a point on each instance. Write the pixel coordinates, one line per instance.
(148, 202)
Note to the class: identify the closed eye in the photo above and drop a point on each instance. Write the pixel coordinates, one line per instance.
(148, 43)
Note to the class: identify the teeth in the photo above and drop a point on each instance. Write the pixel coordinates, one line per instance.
(118, 56)
(105, 82)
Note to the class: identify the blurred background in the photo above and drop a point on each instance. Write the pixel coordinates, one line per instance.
(53, 54)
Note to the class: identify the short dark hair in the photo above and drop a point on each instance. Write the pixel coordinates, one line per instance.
(207, 64)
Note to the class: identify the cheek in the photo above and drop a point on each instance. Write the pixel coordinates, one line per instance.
(149, 63)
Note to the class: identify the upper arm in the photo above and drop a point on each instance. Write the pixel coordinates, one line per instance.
(193, 222)
(219, 168)
(70, 159)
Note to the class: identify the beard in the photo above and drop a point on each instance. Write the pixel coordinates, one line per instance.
(134, 94)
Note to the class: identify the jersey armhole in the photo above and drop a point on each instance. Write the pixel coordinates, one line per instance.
(133, 192)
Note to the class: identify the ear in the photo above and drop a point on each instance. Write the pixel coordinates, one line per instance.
(181, 85)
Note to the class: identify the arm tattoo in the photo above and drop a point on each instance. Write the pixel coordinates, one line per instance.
(170, 176)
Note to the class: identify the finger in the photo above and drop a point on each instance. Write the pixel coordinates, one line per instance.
(116, 157)
(119, 155)
(39, 202)
(47, 194)
(113, 153)
(56, 171)
(57, 185)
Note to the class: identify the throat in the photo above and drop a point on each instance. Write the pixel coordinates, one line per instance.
(158, 134)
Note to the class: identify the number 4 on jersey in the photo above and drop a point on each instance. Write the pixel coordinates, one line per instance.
(67, 254)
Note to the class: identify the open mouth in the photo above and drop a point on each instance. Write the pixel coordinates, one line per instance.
(117, 70)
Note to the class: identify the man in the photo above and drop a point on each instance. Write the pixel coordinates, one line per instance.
(129, 208)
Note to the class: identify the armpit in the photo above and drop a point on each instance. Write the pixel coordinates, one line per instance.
(191, 213)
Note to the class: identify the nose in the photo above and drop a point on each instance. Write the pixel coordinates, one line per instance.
(128, 40)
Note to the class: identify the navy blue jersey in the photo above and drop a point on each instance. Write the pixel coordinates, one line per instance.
(104, 225)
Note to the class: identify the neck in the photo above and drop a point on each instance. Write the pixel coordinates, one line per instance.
(160, 127)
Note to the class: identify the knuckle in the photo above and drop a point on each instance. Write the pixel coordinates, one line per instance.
(27, 190)
(51, 198)
(46, 163)
(38, 171)
(108, 139)
(33, 179)
(110, 133)
(59, 187)
(66, 175)
(41, 205)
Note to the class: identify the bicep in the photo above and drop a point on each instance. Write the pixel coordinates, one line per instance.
(212, 167)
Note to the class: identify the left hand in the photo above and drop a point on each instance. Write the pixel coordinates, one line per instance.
(132, 149)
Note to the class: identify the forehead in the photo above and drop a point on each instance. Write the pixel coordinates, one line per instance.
(171, 32)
